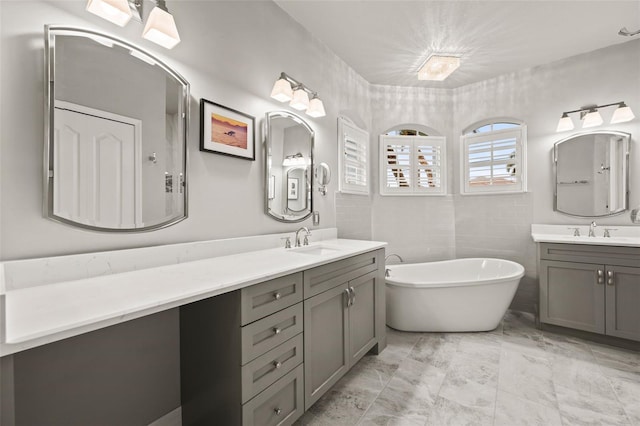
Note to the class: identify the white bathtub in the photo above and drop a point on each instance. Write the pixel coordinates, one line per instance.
(452, 295)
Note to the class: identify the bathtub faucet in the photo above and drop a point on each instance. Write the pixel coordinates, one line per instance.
(393, 254)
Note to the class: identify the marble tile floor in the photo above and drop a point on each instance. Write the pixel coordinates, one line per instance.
(514, 375)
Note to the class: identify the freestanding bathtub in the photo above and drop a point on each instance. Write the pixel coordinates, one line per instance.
(451, 295)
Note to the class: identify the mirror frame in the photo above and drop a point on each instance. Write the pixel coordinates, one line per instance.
(49, 103)
(626, 178)
(267, 154)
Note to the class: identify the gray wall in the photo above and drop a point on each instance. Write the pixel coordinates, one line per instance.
(232, 52)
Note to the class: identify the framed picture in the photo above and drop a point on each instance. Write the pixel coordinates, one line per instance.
(226, 131)
(292, 188)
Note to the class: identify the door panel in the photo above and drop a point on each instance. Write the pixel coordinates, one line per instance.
(325, 342)
(623, 301)
(362, 319)
(571, 296)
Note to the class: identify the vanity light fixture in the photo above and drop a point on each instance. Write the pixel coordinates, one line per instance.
(590, 116)
(294, 160)
(438, 67)
(288, 89)
(160, 27)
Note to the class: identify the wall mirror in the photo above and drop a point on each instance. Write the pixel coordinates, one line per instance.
(289, 165)
(592, 174)
(116, 132)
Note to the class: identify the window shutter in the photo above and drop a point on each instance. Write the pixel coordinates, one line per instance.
(494, 162)
(412, 165)
(353, 160)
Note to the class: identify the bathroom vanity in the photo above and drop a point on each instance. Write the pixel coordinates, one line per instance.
(243, 331)
(590, 284)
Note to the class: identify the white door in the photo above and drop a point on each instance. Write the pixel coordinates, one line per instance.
(96, 169)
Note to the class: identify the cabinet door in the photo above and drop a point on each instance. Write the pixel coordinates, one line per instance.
(325, 342)
(572, 295)
(623, 299)
(362, 316)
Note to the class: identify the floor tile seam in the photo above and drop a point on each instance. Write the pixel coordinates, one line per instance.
(495, 407)
(371, 404)
(613, 389)
(626, 416)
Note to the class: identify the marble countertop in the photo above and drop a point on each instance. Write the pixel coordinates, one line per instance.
(42, 314)
(627, 236)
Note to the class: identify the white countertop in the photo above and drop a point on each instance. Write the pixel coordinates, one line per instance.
(45, 313)
(628, 236)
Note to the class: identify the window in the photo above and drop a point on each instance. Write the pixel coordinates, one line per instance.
(412, 165)
(494, 158)
(354, 158)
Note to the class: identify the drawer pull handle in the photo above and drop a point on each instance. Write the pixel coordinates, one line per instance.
(277, 296)
(277, 364)
(610, 278)
(348, 293)
(600, 275)
(276, 330)
(278, 411)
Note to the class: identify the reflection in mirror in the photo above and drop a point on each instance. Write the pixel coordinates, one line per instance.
(115, 154)
(289, 161)
(592, 174)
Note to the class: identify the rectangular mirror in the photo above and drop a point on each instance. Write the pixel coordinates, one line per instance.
(116, 132)
(592, 174)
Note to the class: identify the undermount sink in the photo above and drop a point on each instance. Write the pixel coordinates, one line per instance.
(315, 250)
(619, 235)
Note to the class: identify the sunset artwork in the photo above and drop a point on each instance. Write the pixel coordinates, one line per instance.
(227, 131)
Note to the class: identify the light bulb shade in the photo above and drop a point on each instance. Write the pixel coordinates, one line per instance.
(438, 67)
(282, 90)
(161, 29)
(300, 99)
(316, 108)
(565, 123)
(592, 119)
(622, 114)
(115, 11)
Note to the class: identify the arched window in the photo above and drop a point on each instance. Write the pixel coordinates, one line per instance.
(412, 161)
(494, 157)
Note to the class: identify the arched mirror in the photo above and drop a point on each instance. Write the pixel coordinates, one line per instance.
(289, 162)
(592, 174)
(116, 131)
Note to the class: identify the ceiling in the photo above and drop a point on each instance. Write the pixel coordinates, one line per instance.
(387, 41)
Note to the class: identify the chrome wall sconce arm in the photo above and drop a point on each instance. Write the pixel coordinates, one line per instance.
(590, 116)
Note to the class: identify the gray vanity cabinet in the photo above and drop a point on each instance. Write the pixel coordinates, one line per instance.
(591, 288)
(340, 323)
(262, 355)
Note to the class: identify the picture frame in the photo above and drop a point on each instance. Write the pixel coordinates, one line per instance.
(226, 131)
(292, 188)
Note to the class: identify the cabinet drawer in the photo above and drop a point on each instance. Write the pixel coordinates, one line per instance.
(325, 277)
(267, 333)
(267, 368)
(281, 404)
(271, 296)
(583, 253)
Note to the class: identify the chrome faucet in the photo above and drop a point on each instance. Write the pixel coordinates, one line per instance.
(592, 229)
(393, 254)
(306, 236)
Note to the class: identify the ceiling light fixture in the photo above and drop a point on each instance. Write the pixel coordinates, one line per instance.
(160, 27)
(438, 67)
(288, 89)
(590, 116)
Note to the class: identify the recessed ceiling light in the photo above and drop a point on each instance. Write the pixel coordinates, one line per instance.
(438, 67)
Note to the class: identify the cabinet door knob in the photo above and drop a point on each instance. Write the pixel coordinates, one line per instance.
(278, 411)
(600, 276)
(277, 296)
(277, 364)
(276, 330)
(610, 278)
